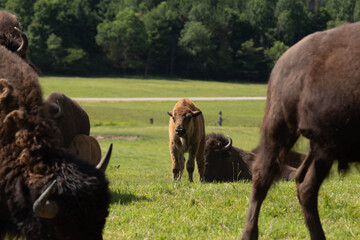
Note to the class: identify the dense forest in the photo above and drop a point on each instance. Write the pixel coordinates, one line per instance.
(214, 39)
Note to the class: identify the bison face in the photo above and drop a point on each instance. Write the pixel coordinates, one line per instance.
(183, 121)
(216, 157)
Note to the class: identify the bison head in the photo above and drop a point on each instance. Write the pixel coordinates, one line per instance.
(182, 120)
(75, 205)
(11, 35)
(216, 156)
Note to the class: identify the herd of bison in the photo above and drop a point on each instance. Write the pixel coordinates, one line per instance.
(52, 177)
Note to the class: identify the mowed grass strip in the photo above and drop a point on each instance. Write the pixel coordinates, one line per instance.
(146, 204)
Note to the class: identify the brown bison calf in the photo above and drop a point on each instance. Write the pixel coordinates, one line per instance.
(186, 134)
(224, 162)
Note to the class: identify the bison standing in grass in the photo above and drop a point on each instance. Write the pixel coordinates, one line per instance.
(224, 162)
(45, 192)
(313, 91)
(186, 134)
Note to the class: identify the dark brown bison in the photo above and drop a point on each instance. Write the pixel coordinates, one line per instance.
(313, 91)
(46, 193)
(70, 117)
(224, 162)
(11, 35)
(186, 134)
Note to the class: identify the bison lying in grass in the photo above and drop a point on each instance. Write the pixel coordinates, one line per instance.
(313, 91)
(224, 162)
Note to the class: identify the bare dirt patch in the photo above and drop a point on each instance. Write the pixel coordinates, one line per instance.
(115, 137)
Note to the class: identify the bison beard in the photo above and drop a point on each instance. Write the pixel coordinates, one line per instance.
(314, 91)
(31, 159)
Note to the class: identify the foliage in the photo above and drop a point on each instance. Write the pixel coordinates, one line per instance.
(275, 52)
(183, 38)
(124, 40)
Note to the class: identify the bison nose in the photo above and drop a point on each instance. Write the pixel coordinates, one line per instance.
(180, 131)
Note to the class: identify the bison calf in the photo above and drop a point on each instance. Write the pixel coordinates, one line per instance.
(186, 134)
(224, 162)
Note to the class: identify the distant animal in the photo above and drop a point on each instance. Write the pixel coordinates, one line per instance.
(70, 117)
(186, 134)
(11, 35)
(224, 162)
(46, 193)
(314, 91)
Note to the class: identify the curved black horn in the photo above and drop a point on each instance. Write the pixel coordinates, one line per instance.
(21, 51)
(228, 146)
(102, 165)
(44, 208)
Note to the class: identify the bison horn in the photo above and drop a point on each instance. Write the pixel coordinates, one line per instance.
(102, 165)
(59, 113)
(228, 146)
(21, 51)
(44, 208)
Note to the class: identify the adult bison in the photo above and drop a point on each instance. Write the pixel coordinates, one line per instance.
(224, 162)
(70, 117)
(11, 35)
(45, 192)
(186, 134)
(314, 91)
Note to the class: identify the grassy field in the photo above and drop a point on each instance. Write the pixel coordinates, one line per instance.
(146, 204)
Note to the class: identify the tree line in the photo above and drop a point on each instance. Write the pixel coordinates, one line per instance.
(216, 39)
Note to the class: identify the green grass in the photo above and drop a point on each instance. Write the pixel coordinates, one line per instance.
(125, 87)
(146, 204)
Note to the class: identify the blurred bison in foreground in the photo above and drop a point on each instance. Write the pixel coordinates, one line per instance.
(70, 117)
(313, 91)
(45, 192)
(74, 128)
(186, 134)
(224, 162)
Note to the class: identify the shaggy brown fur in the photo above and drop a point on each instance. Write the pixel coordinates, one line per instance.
(314, 91)
(186, 134)
(30, 159)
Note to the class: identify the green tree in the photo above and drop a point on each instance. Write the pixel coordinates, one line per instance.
(251, 63)
(73, 22)
(196, 41)
(260, 13)
(23, 9)
(341, 10)
(124, 40)
(163, 25)
(293, 21)
(275, 52)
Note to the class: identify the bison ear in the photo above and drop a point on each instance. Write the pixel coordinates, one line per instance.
(195, 113)
(170, 114)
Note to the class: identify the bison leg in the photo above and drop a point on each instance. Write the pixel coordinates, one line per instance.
(277, 140)
(309, 177)
(200, 160)
(178, 162)
(190, 165)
